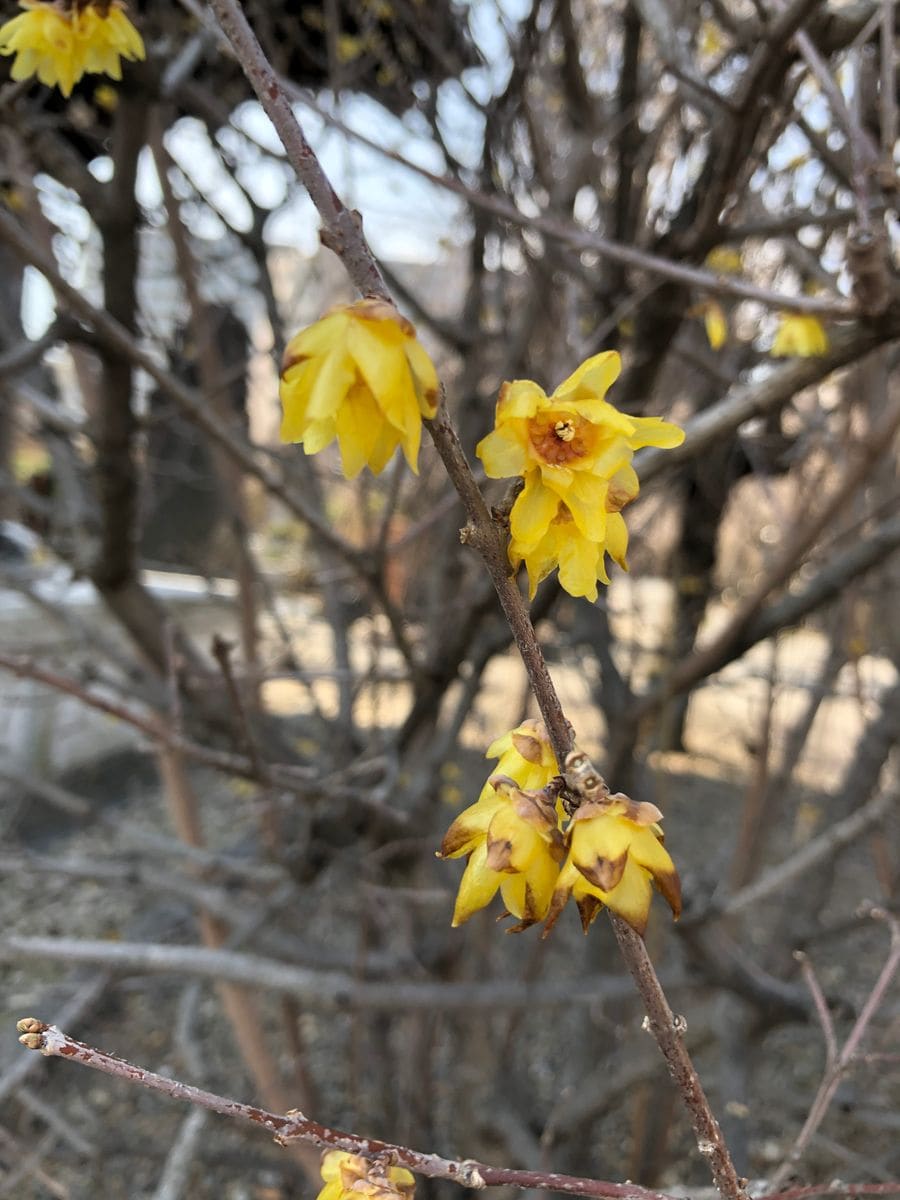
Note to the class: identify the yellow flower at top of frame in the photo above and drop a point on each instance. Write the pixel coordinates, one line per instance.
(61, 45)
(348, 1176)
(615, 854)
(800, 335)
(359, 375)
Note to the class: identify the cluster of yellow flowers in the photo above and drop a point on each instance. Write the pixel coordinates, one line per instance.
(519, 841)
(360, 376)
(799, 335)
(350, 1176)
(573, 450)
(60, 42)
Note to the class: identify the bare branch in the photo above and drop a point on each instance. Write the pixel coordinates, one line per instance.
(52, 1042)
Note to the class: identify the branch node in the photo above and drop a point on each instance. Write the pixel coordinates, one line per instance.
(470, 1175)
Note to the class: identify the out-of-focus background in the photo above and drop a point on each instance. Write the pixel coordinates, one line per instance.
(243, 697)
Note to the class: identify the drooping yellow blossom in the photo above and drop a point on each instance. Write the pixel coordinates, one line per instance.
(581, 562)
(574, 451)
(348, 1176)
(525, 756)
(359, 375)
(615, 851)
(514, 845)
(800, 335)
(61, 42)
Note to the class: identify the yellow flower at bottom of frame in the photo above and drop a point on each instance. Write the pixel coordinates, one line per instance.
(359, 375)
(348, 1176)
(800, 335)
(615, 855)
(514, 846)
(59, 46)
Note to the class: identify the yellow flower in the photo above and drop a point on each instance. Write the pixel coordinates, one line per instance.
(526, 757)
(581, 562)
(574, 451)
(724, 260)
(710, 41)
(106, 97)
(800, 335)
(361, 376)
(513, 844)
(348, 1176)
(60, 45)
(615, 851)
(716, 324)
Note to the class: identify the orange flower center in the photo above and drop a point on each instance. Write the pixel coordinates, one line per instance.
(561, 439)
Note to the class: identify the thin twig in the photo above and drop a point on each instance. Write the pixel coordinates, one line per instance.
(824, 846)
(669, 1033)
(821, 1007)
(844, 1058)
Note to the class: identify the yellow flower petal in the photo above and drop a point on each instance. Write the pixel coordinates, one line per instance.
(519, 399)
(800, 335)
(385, 369)
(716, 324)
(593, 378)
(579, 560)
(534, 509)
(617, 539)
(477, 888)
(424, 376)
(586, 501)
(654, 431)
(502, 452)
(358, 423)
(631, 897)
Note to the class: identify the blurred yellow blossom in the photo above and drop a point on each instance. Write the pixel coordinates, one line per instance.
(348, 1176)
(574, 450)
(615, 851)
(724, 260)
(359, 375)
(711, 41)
(800, 335)
(716, 324)
(61, 43)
